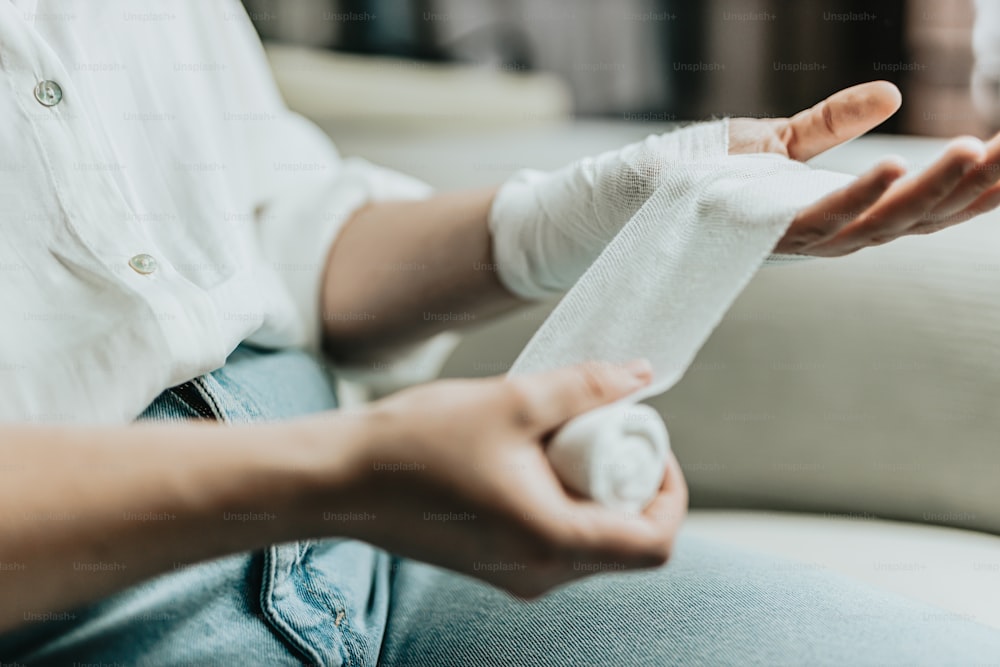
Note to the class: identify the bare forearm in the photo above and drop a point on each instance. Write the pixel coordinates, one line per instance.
(401, 271)
(87, 512)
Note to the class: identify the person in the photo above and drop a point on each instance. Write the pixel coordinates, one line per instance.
(176, 483)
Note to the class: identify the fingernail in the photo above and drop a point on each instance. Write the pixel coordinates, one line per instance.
(640, 368)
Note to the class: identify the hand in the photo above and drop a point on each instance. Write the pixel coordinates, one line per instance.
(880, 206)
(456, 475)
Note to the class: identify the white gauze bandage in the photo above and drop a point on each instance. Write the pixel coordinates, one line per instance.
(656, 286)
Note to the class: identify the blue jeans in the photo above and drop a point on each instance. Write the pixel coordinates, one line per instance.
(342, 602)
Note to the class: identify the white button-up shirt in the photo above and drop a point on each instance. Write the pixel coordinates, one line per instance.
(158, 203)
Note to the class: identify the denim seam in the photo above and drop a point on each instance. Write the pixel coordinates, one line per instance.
(210, 398)
(178, 409)
(274, 616)
(336, 604)
(249, 405)
(199, 410)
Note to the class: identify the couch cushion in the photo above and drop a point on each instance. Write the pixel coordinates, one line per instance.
(957, 571)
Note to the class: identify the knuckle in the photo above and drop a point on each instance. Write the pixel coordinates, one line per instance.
(521, 405)
(595, 381)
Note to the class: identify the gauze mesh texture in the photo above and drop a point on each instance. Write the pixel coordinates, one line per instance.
(548, 227)
(664, 282)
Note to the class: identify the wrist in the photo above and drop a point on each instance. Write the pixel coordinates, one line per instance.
(318, 464)
(523, 236)
(549, 227)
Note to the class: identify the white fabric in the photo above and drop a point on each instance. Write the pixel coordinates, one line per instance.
(171, 140)
(615, 455)
(667, 278)
(549, 227)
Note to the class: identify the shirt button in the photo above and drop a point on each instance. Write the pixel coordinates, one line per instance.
(48, 93)
(144, 264)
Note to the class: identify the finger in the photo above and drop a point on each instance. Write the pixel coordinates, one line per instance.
(827, 217)
(552, 398)
(987, 202)
(663, 511)
(909, 201)
(984, 176)
(600, 535)
(839, 118)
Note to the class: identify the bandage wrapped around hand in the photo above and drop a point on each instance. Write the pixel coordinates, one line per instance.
(549, 227)
(654, 250)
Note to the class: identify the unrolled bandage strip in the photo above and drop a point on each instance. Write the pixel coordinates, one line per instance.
(658, 290)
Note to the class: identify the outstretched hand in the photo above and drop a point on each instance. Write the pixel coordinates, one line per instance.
(881, 205)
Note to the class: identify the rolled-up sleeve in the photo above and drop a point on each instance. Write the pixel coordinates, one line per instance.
(311, 193)
(303, 193)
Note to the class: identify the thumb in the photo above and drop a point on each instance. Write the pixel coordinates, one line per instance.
(632, 539)
(839, 118)
(555, 397)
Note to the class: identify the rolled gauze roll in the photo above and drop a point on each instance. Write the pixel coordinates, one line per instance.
(615, 455)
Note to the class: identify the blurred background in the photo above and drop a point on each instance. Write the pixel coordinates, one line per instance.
(636, 60)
